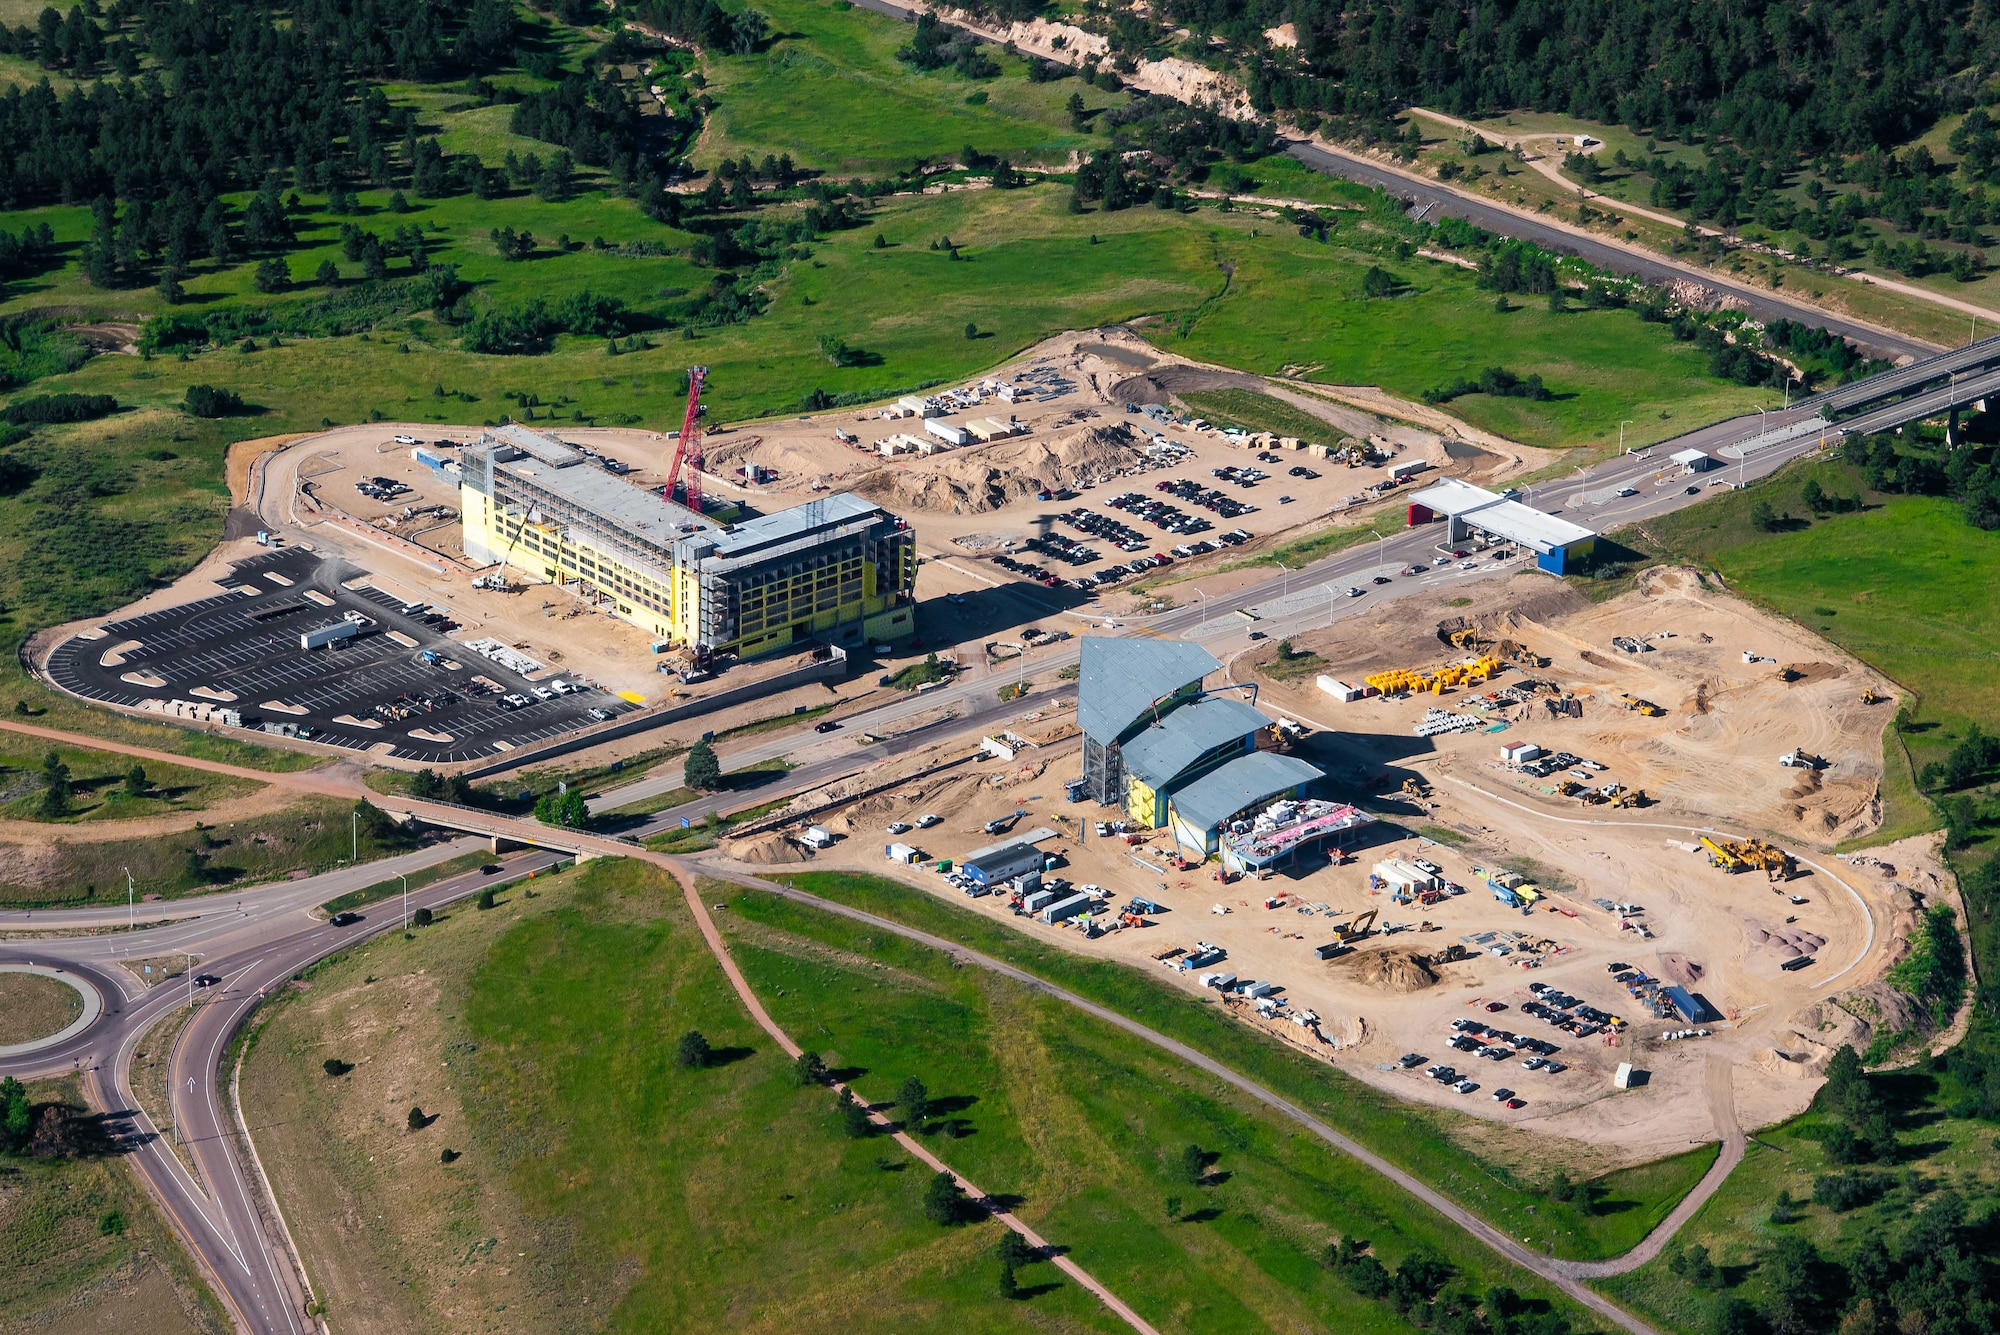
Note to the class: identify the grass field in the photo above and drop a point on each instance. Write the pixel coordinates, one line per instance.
(81, 1249)
(831, 93)
(307, 835)
(33, 1006)
(97, 785)
(541, 1035)
(1420, 1139)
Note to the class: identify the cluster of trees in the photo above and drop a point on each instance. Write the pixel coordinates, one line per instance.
(60, 408)
(1846, 76)
(1973, 759)
(236, 89)
(596, 119)
(29, 253)
(1417, 1289)
(17, 1117)
(1969, 474)
(1933, 973)
(567, 809)
(1497, 381)
(936, 46)
(529, 327)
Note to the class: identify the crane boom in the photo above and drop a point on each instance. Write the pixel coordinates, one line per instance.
(687, 450)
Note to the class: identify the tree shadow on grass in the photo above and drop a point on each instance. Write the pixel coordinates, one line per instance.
(846, 1075)
(1207, 1214)
(728, 1056)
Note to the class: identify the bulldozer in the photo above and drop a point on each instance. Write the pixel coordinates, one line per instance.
(1568, 788)
(1415, 789)
(1631, 797)
(1871, 696)
(1790, 672)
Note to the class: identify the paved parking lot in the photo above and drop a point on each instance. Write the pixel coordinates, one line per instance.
(244, 646)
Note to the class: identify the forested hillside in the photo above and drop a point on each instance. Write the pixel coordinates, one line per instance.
(1792, 77)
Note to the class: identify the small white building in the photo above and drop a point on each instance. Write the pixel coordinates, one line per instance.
(1341, 691)
(946, 432)
(920, 406)
(1694, 461)
(1515, 753)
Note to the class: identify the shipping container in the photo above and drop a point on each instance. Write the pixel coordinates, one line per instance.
(325, 635)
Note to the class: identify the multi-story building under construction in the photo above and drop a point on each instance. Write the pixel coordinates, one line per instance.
(840, 570)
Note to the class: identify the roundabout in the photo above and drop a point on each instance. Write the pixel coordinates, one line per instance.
(84, 998)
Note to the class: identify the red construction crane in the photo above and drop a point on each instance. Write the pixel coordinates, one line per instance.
(688, 449)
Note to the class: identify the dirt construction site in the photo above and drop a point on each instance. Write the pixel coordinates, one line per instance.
(1625, 900)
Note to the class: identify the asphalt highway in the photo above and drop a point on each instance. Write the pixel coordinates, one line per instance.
(219, 1210)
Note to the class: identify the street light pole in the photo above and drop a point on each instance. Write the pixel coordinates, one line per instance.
(354, 835)
(1621, 433)
(131, 907)
(406, 899)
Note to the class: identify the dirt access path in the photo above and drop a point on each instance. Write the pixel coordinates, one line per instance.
(720, 950)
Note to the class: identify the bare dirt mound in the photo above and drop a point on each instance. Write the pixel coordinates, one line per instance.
(1787, 942)
(1159, 384)
(1390, 970)
(976, 482)
(766, 850)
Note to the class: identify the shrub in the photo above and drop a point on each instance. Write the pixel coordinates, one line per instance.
(60, 408)
(944, 1202)
(208, 401)
(693, 1050)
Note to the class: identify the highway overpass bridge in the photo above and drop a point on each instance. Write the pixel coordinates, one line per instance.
(1934, 386)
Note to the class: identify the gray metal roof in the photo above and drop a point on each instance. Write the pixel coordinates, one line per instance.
(1162, 751)
(636, 511)
(1118, 680)
(548, 449)
(774, 529)
(1215, 797)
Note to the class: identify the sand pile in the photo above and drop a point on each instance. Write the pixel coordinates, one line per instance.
(1787, 942)
(765, 850)
(1390, 970)
(859, 815)
(974, 482)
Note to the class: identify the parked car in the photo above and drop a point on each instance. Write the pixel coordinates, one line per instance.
(1502, 1095)
(899, 827)
(928, 819)
(1466, 1086)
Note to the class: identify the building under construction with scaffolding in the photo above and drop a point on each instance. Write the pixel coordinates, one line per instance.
(1172, 755)
(839, 570)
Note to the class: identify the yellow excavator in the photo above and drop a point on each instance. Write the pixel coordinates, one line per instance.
(1415, 789)
(1355, 928)
(1871, 696)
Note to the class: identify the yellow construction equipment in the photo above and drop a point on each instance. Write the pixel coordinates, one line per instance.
(1734, 855)
(1416, 788)
(1631, 797)
(1468, 638)
(1568, 788)
(1355, 928)
(1871, 696)
(1790, 672)
(1399, 681)
(1646, 707)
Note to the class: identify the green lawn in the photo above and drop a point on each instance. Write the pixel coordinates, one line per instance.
(310, 834)
(1289, 307)
(97, 785)
(1419, 1139)
(1087, 1124)
(831, 93)
(724, 1199)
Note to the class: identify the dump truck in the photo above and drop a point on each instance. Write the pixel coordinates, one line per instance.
(1735, 855)
(1646, 707)
(1799, 758)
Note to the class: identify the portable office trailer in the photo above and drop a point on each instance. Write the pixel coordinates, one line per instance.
(1220, 981)
(1067, 908)
(1004, 863)
(1038, 900)
(817, 836)
(1515, 753)
(1258, 989)
(1027, 880)
(899, 853)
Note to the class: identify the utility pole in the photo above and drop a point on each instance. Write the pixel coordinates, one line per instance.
(190, 978)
